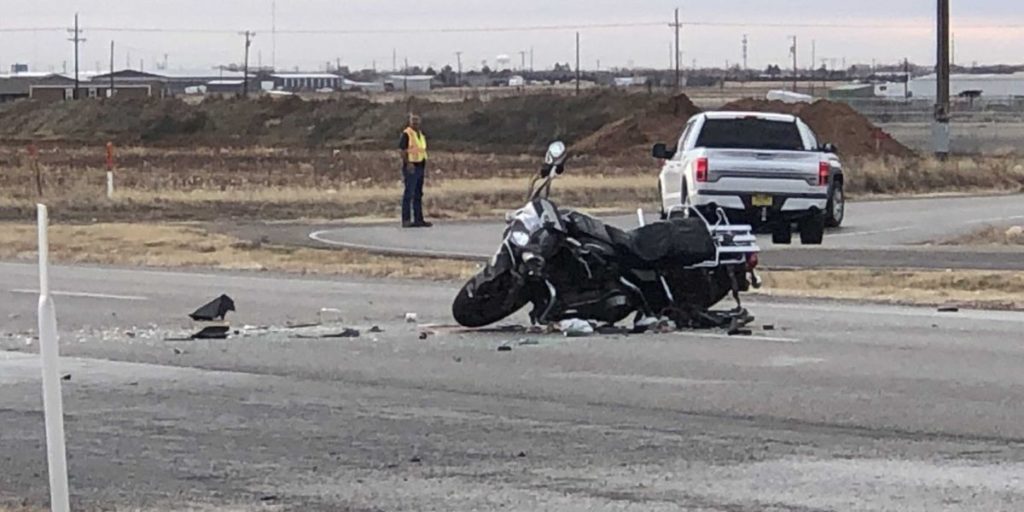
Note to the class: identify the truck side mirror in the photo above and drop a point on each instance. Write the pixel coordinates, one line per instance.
(662, 152)
(828, 147)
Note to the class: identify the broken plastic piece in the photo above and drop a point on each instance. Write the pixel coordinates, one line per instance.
(214, 310)
(574, 327)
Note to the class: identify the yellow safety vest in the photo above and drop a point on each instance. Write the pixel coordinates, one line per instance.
(417, 146)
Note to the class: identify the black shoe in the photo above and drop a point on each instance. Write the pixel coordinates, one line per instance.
(422, 224)
(407, 224)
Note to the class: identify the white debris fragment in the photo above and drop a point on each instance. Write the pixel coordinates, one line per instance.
(574, 327)
(331, 314)
(411, 318)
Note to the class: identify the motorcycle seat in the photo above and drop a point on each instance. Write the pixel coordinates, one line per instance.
(676, 242)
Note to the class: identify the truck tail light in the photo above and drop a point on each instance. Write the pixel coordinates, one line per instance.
(824, 169)
(702, 169)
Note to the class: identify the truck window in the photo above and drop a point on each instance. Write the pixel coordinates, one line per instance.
(750, 133)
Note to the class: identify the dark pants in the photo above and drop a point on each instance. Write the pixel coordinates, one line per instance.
(412, 199)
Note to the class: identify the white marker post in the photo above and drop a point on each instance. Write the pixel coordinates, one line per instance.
(110, 184)
(49, 350)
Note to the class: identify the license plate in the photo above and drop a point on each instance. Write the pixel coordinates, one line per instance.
(762, 200)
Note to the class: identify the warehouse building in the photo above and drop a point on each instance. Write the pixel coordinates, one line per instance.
(296, 82)
(990, 86)
(413, 84)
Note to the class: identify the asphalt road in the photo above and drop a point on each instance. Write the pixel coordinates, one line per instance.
(877, 234)
(839, 407)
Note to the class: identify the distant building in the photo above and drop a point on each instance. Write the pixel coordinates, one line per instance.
(306, 81)
(19, 68)
(852, 91)
(991, 86)
(351, 85)
(53, 92)
(19, 86)
(171, 83)
(233, 87)
(413, 84)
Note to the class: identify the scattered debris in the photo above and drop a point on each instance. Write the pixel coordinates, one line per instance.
(949, 309)
(376, 329)
(505, 348)
(347, 333)
(612, 329)
(575, 327)
(178, 351)
(66, 376)
(336, 318)
(740, 331)
(525, 342)
(411, 318)
(269, 497)
(214, 310)
(521, 454)
(213, 332)
(415, 459)
(306, 325)
(457, 359)
(424, 335)
(768, 327)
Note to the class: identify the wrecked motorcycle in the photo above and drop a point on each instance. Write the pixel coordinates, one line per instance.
(570, 265)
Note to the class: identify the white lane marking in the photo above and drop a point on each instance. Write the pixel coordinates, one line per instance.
(769, 339)
(635, 379)
(875, 232)
(993, 219)
(319, 236)
(790, 361)
(903, 311)
(84, 295)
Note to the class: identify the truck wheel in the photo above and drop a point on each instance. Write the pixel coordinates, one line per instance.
(812, 229)
(782, 233)
(835, 211)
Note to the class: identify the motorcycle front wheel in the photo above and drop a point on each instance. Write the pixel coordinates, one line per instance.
(489, 303)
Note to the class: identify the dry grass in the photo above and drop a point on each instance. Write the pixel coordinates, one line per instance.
(883, 176)
(992, 236)
(1002, 290)
(182, 246)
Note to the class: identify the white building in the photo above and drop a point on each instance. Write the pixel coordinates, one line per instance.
(411, 83)
(991, 86)
(306, 81)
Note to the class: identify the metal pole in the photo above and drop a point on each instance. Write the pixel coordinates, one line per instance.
(458, 57)
(53, 405)
(679, 79)
(273, 35)
(577, 63)
(941, 134)
(110, 94)
(245, 66)
(795, 71)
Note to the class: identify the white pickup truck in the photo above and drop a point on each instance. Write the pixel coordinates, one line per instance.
(767, 170)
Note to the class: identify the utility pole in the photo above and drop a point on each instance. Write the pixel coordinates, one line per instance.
(745, 68)
(796, 72)
(111, 92)
(458, 58)
(394, 60)
(245, 64)
(405, 77)
(941, 129)
(522, 58)
(906, 79)
(677, 26)
(814, 54)
(577, 63)
(76, 38)
(273, 34)
(531, 59)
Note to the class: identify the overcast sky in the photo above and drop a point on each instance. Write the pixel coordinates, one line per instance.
(987, 31)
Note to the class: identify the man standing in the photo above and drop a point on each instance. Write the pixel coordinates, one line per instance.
(413, 146)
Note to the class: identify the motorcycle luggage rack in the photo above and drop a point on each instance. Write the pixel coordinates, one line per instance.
(733, 242)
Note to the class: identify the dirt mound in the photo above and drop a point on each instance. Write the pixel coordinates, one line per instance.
(505, 125)
(833, 122)
(660, 121)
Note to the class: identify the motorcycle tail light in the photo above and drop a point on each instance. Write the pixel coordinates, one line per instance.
(702, 169)
(752, 261)
(824, 169)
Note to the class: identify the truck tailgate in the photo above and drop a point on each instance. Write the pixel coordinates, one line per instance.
(725, 164)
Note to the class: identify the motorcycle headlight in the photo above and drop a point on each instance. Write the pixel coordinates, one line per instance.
(520, 237)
